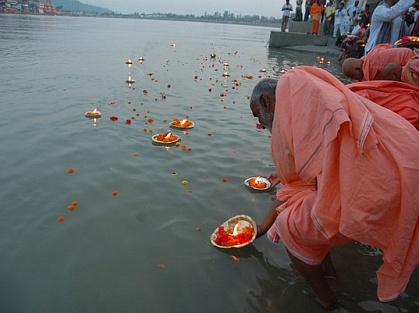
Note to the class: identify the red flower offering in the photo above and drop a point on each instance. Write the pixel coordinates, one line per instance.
(184, 124)
(257, 182)
(165, 138)
(237, 232)
(232, 238)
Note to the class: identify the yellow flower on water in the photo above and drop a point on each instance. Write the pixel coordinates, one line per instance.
(185, 182)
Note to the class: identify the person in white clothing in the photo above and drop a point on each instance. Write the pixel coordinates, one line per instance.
(385, 23)
(354, 10)
(340, 15)
(286, 8)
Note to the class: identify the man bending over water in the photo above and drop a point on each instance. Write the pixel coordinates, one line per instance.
(348, 170)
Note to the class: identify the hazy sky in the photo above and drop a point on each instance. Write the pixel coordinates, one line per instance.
(198, 7)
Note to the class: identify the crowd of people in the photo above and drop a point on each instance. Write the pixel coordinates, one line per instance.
(357, 28)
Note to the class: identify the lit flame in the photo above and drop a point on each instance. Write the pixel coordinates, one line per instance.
(183, 122)
(168, 135)
(235, 230)
(258, 180)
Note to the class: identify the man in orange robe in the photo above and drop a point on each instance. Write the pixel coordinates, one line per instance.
(316, 10)
(371, 66)
(348, 170)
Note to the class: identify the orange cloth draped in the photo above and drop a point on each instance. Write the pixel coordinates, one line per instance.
(398, 97)
(380, 56)
(365, 160)
(410, 72)
(315, 13)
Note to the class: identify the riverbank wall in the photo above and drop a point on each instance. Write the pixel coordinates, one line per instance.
(299, 37)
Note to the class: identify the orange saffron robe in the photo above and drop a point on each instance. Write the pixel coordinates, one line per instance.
(410, 72)
(401, 98)
(349, 169)
(315, 13)
(380, 56)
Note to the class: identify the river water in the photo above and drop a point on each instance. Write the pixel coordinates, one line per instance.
(138, 240)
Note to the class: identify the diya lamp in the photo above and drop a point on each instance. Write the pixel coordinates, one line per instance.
(130, 81)
(93, 114)
(257, 182)
(212, 55)
(241, 234)
(141, 59)
(168, 135)
(226, 74)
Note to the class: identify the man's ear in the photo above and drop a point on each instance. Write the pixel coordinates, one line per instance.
(267, 103)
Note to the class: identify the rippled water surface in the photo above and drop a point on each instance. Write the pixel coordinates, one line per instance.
(147, 248)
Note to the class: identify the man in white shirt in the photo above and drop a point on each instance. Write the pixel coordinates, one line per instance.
(286, 8)
(382, 28)
(340, 15)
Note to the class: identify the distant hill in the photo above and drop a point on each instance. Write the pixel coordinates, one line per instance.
(77, 6)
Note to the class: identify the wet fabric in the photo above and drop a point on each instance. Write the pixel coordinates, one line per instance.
(349, 169)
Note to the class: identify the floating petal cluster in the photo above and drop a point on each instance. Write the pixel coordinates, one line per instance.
(227, 238)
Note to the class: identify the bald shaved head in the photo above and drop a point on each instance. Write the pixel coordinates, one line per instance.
(352, 68)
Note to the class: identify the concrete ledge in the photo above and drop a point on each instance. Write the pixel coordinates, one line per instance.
(285, 39)
(303, 42)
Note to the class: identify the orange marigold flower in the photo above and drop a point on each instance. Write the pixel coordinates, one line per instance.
(114, 193)
(71, 207)
(70, 171)
(61, 219)
(150, 120)
(183, 148)
(75, 203)
(224, 179)
(190, 190)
